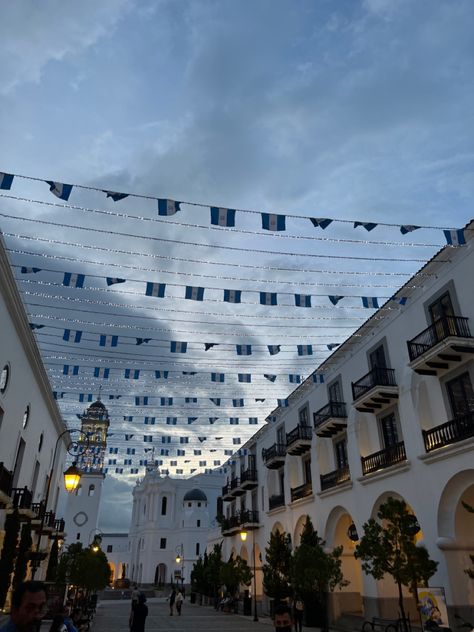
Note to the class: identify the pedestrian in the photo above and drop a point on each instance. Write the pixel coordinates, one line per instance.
(58, 624)
(282, 620)
(172, 599)
(138, 615)
(27, 608)
(135, 594)
(298, 610)
(179, 602)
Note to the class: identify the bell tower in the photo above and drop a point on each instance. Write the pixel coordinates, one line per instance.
(82, 508)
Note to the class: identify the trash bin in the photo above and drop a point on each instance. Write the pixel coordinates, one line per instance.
(247, 606)
(193, 597)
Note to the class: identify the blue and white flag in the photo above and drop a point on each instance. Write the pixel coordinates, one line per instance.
(100, 371)
(149, 421)
(73, 336)
(238, 403)
(293, 378)
(71, 279)
(116, 197)
(60, 190)
(141, 341)
(268, 298)
(271, 221)
(108, 341)
(304, 350)
(201, 439)
(86, 397)
(148, 438)
(114, 280)
(112, 461)
(190, 400)
(222, 216)
(209, 345)
(245, 377)
(141, 400)
(166, 401)
(180, 452)
(320, 222)
(119, 470)
(269, 377)
(318, 378)
(232, 296)
(234, 421)
(166, 439)
(161, 374)
(273, 349)
(194, 293)
(401, 300)
(128, 418)
(132, 374)
(34, 326)
(333, 345)
(260, 399)
(178, 347)
(155, 289)
(115, 396)
(215, 400)
(70, 370)
(58, 395)
(283, 403)
(134, 470)
(217, 377)
(213, 419)
(367, 225)
(191, 420)
(303, 300)
(182, 440)
(171, 421)
(26, 270)
(6, 180)
(168, 207)
(455, 237)
(244, 350)
(335, 299)
(370, 302)
(407, 228)
(127, 461)
(113, 450)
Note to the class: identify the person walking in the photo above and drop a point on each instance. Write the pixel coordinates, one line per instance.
(172, 599)
(298, 610)
(179, 602)
(135, 594)
(138, 615)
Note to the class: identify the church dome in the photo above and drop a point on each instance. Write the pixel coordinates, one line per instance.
(195, 494)
(97, 405)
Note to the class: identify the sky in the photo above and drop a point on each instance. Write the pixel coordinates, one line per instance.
(355, 111)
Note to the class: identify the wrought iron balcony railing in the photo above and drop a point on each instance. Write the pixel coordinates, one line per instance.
(332, 410)
(302, 491)
(442, 328)
(248, 476)
(384, 458)
(22, 497)
(378, 376)
(249, 516)
(457, 429)
(6, 480)
(275, 501)
(332, 479)
(276, 451)
(299, 433)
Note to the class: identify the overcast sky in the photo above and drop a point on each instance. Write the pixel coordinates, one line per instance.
(350, 110)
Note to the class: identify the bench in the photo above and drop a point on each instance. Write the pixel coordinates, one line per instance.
(381, 625)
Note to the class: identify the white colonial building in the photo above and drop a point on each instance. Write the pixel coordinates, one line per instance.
(171, 518)
(394, 417)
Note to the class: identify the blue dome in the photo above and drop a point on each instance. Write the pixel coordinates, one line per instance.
(195, 494)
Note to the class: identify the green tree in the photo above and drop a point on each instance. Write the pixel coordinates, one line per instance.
(7, 557)
(276, 570)
(22, 556)
(388, 547)
(234, 573)
(84, 568)
(212, 570)
(469, 571)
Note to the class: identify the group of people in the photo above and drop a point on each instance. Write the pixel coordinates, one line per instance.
(175, 600)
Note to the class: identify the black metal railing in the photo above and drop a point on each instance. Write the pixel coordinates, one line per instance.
(249, 516)
(299, 433)
(277, 450)
(301, 491)
(234, 483)
(49, 519)
(38, 509)
(332, 479)
(442, 328)
(59, 525)
(21, 497)
(6, 480)
(462, 427)
(336, 410)
(226, 490)
(378, 376)
(232, 523)
(275, 501)
(384, 458)
(248, 476)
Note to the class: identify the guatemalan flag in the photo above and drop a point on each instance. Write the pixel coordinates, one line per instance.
(253, 421)
(232, 296)
(238, 403)
(335, 299)
(234, 421)
(213, 419)
(303, 300)
(455, 237)
(305, 350)
(132, 374)
(58, 395)
(370, 301)
(108, 341)
(168, 207)
(85, 397)
(166, 401)
(269, 377)
(141, 341)
(294, 378)
(71, 279)
(70, 370)
(408, 228)
(320, 222)
(148, 438)
(268, 298)
(244, 349)
(115, 195)
(141, 400)
(6, 180)
(155, 289)
(222, 216)
(26, 270)
(101, 372)
(333, 345)
(217, 377)
(245, 377)
(128, 418)
(367, 225)
(149, 421)
(60, 190)
(161, 374)
(273, 349)
(114, 280)
(194, 293)
(190, 400)
(318, 378)
(283, 403)
(178, 347)
(270, 221)
(73, 336)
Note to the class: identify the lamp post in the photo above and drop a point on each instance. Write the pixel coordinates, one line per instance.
(96, 540)
(180, 560)
(243, 537)
(72, 476)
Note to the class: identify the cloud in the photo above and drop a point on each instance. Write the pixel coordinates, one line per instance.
(115, 506)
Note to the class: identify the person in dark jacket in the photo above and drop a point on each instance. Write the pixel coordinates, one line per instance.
(138, 615)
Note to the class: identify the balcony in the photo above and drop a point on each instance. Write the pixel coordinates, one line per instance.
(335, 478)
(235, 488)
(249, 519)
(276, 501)
(384, 458)
(6, 479)
(462, 427)
(59, 525)
(298, 441)
(226, 494)
(302, 491)
(248, 479)
(330, 419)
(231, 526)
(442, 345)
(375, 391)
(274, 457)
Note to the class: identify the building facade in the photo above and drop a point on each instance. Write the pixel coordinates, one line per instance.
(394, 417)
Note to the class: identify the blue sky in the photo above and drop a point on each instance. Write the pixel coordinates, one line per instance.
(350, 110)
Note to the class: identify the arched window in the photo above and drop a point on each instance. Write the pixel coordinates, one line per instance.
(164, 503)
(79, 490)
(91, 490)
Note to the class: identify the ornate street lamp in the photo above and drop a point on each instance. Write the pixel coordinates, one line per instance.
(180, 560)
(243, 537)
